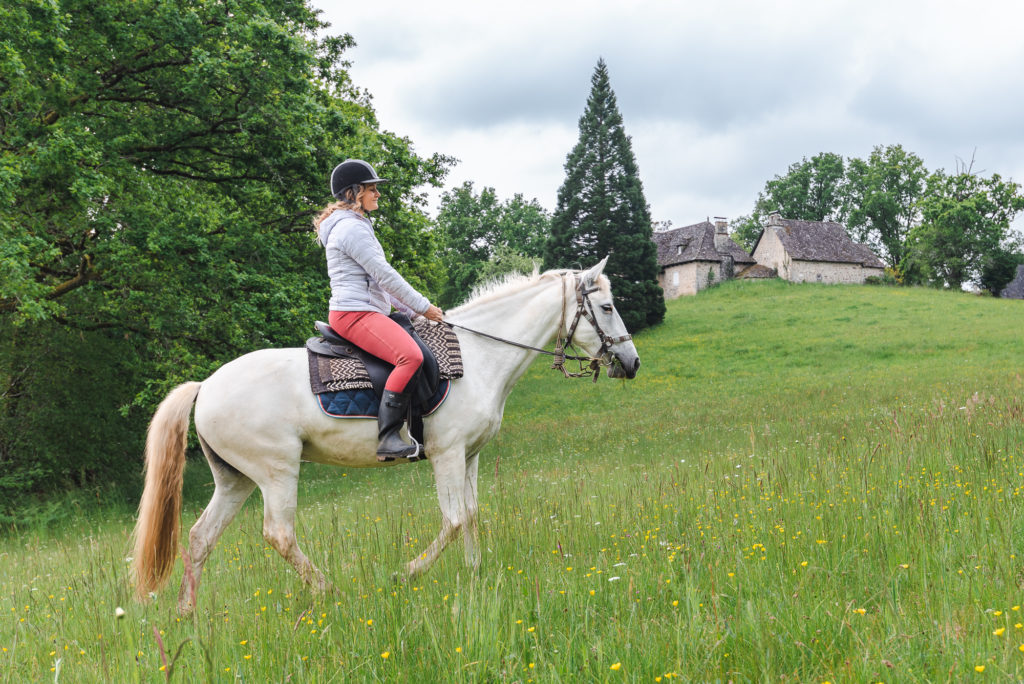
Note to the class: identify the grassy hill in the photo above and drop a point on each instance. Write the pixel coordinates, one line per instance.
(804, 482)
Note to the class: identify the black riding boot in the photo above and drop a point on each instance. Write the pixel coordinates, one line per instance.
(393, 409)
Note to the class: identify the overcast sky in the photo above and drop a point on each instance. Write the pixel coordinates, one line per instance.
(718, 96)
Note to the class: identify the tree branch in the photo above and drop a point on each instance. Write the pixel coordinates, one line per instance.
(85, 273)
(208, 179)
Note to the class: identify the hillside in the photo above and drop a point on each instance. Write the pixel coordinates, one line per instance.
(804, 483)
(761, 355)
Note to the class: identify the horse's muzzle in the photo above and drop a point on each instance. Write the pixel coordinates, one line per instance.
(624, 370)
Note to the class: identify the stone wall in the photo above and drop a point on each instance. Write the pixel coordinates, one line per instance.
(772, 254)
(828, 272)
(687, 279)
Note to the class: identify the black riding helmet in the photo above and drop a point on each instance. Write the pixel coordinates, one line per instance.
(352, 172)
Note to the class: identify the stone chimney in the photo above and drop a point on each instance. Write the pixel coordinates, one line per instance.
(721, 234)
(775, 219)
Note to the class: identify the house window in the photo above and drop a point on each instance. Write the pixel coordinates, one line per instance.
(675, 277)
(679, 249)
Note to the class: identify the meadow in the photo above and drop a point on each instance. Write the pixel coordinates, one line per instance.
(803, 484)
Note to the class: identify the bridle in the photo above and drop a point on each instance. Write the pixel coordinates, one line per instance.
(589, 366)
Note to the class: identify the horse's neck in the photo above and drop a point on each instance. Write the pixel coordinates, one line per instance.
(530, 316)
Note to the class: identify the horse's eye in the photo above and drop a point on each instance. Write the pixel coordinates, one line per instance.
(607, 308)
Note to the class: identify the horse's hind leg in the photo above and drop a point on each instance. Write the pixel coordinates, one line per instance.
(280, 496)
(470, 533)
(232, 489)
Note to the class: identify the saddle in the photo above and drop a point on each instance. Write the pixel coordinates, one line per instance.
(376, 371)
(336, 364)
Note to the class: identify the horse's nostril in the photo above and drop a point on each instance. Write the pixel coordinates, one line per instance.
(636, 365)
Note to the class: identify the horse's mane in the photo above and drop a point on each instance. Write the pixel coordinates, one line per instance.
(502, 286)
(509, 284)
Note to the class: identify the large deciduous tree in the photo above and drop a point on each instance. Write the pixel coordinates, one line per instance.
(160, 164)
(810, 190)
(965, 221)
(882, 195)
(601, 210)
(482, 237)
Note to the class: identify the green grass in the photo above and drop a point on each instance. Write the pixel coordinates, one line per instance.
(804, 483)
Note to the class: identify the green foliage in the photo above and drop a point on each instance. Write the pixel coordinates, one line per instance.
(505, 261)
(998, 269)
(745, 230)
(804, 483)
(882, 196)
(811, 190)
(602, 211)
(161, 164)
(965, 220)
(482, 237)
(891, 277)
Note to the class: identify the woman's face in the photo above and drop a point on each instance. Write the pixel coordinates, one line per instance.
(371, 194)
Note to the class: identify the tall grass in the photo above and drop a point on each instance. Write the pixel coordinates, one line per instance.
(804, 483)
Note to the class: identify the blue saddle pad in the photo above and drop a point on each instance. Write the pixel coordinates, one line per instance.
(363, 403)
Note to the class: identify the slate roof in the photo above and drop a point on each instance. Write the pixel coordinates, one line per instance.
(698, 243)
(820, 241)
(1015, 289)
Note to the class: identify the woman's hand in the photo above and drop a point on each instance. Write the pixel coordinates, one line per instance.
(434, 313)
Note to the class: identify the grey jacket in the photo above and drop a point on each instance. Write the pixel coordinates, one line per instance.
(361, 277)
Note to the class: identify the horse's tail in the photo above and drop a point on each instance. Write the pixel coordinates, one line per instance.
(157, 529)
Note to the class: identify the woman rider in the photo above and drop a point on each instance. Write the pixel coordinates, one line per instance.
(364, 287)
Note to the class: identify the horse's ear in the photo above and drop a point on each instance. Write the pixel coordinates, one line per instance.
(590, 275)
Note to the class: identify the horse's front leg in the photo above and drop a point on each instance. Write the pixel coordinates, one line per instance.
(470, 533)
(450, 477)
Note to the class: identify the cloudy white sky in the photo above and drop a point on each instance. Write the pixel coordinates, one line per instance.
(718, 96)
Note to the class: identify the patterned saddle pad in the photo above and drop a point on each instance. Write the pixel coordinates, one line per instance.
(333, 374)
(363, 403)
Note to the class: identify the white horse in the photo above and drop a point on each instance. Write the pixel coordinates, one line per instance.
(257, 420)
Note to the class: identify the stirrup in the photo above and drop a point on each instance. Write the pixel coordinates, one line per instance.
(416, 455)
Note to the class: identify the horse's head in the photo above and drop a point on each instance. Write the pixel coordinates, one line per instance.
(606, 336)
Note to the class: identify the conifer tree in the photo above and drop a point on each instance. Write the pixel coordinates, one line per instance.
(602, 211)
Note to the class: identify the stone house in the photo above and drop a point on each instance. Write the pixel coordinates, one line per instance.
(1015, 288)
(814, 251)
(692, 257)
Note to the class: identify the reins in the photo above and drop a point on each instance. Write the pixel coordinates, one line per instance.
(591, 370)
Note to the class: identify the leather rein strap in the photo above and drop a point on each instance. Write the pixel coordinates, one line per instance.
(583, 309)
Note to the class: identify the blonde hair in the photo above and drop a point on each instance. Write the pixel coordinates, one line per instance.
(352, 199)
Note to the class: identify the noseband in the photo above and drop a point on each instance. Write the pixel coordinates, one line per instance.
(584, 309)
